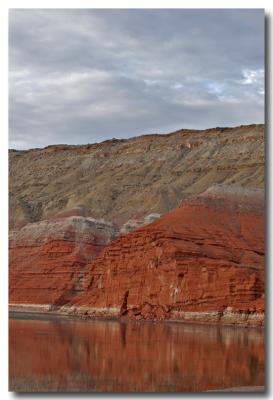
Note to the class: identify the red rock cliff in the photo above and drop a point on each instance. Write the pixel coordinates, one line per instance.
(204, 261)
(46, 258)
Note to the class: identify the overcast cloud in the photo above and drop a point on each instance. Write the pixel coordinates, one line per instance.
(83, 76)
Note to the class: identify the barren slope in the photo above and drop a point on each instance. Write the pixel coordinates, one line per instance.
(128, 179)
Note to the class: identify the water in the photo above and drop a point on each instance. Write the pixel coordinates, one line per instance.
(73, 355)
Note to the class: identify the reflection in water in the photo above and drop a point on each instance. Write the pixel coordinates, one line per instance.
(71, 355)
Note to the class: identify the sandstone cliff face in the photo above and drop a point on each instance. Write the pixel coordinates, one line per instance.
(120, 180)
(202, 261)
(46, 258)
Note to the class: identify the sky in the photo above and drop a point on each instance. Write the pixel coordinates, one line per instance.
(81, 76)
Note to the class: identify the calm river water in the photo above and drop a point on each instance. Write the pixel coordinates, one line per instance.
(81, 356)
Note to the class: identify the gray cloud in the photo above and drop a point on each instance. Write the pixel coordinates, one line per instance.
(81, 76)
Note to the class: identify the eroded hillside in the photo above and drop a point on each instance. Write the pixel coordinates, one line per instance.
(119, 180)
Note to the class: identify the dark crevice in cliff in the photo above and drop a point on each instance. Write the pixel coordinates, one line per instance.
(123, 308)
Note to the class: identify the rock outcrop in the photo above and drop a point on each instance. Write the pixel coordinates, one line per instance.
(203, 261)
(46, 258)
(121, 180)
(133, 224)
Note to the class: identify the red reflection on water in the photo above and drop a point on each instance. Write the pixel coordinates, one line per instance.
(112, 356)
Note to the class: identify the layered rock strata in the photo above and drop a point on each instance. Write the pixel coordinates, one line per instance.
(133, 224)
(128, 179)
(203, 261)
(46, 259)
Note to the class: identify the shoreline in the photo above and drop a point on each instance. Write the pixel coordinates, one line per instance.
(40, 312)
